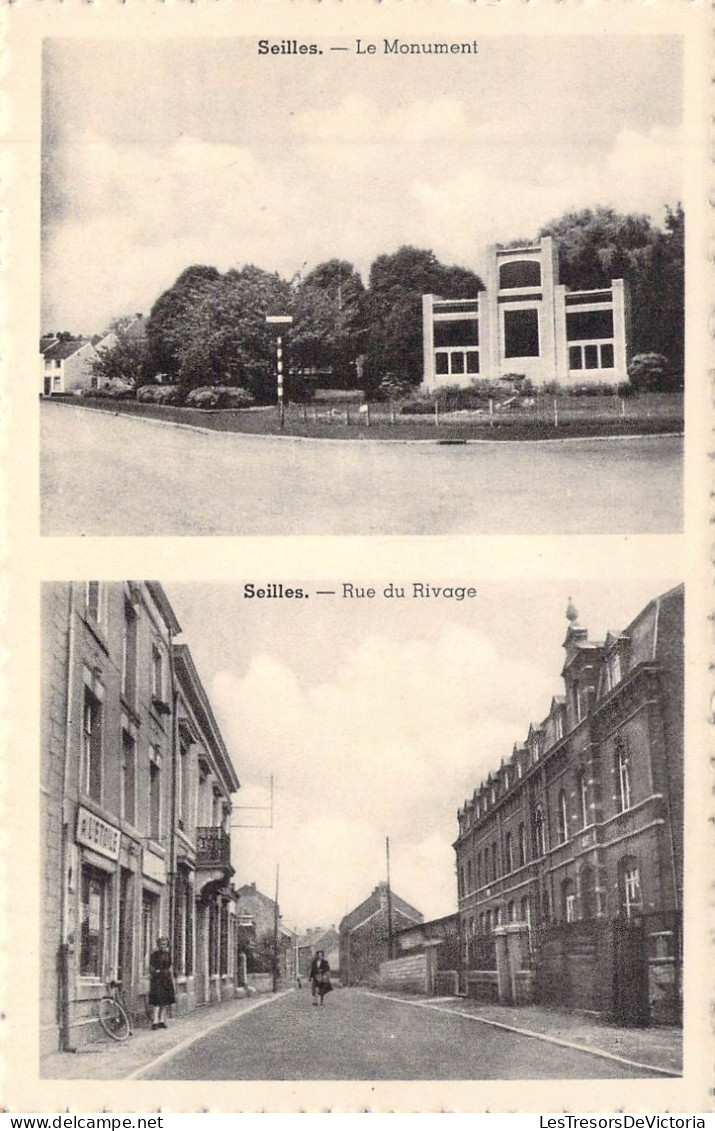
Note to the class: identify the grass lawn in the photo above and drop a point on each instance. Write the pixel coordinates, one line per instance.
(650, 414)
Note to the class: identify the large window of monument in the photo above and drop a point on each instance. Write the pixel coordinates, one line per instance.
(585, 325)
(521, 333)
(456, 332)
(521, 273)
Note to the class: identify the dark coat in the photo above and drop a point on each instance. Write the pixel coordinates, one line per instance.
(318, 966)
(161, 985)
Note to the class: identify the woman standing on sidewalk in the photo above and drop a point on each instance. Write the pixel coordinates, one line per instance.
(162, 992)
(320, 977)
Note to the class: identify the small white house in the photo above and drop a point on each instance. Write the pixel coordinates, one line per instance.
(66, 365)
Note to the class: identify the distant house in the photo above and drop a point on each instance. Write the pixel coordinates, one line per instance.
(365, 934)
(256, 924)
(66, 365)
(309, 943)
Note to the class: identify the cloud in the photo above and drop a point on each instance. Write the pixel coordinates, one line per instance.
(407, 726)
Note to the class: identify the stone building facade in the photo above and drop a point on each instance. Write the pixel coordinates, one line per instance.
(584, 821)
(525, 322)
(115, 842)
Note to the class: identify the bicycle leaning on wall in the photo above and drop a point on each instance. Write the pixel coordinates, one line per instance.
(113, 1016)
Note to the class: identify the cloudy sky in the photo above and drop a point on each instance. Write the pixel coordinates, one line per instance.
(377, 718)
(160, 154)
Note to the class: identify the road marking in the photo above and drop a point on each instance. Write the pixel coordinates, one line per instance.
(527, 1033)
(137, 1075)
(362, 439)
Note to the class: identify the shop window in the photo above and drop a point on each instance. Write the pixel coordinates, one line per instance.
(456, 332)
(149, 927)
(154, 794)
(590, 356)
(93, 912)
(563, 817)
(522, 273)
(129, 653)
(521, 333)
(92, 746)
(129, 778)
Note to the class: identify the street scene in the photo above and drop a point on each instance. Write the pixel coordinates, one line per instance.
(247, 875)
(499, 349)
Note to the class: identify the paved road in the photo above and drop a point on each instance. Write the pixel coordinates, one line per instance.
(116, 475)
(357, 1036)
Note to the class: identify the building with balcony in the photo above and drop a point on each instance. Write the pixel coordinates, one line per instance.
(526, 323)
(583, 822)
(125, 731)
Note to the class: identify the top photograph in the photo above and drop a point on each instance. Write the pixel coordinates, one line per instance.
(366, 285)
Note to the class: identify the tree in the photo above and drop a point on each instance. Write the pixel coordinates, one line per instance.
(329, 320)
(394, 308)
(596, 246)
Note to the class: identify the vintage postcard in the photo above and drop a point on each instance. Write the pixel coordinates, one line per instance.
(357, 587)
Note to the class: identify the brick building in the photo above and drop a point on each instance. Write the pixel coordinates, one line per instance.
(308, 944)
(526, 322)
(584, 821)
(125, 731)
(365, 934)
(256, 927)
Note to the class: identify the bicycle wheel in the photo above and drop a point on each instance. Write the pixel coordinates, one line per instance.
(113, 1019)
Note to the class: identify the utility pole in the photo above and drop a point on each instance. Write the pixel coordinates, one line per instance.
(389, 900)
(275, 938)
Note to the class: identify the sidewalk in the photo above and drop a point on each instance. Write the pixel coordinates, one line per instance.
(657, 1047)
(112, 1060)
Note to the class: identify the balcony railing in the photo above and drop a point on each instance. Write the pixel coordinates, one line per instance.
(213, 846)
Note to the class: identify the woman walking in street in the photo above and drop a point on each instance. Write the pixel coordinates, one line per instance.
(320, 977)
(162, 992)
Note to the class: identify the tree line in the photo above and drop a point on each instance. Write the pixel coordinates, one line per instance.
(209, 328)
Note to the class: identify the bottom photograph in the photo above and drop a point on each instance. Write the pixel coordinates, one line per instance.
(361, 830)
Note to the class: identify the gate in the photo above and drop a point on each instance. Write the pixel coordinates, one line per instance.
(630, 972)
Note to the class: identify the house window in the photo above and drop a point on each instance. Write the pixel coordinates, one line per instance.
(495, 864)
(511, 912)
(479, 869)
(559, 726)
(614, 669)
(508, 853)
(92, 746)
(539, 835)
(157, 673)
(93, 911)
(522, 844)
(93, 600)
(129, 653)
(149, 927)
(469, 876)
(129, 778)
(521, 333)
(563, 818)
(583, 797)
(525, 911)
(630, 886)
(623, 777)
(154, 794)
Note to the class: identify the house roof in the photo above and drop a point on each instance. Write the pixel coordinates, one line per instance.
(317, 935)
(374, 902)
(58, 351)
(192, 686)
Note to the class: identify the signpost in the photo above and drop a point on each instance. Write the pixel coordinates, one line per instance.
(279, 320)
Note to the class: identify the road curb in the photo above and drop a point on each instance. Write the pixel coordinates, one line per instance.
(188, 1041)
(531, 1033)
(435, 441)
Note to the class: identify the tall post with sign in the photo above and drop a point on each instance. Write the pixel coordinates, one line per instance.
(279, 321)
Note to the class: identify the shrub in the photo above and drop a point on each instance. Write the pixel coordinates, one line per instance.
(418, 408)
(167, 394)
(625, 389)
(219, 396)
(203, 398)
(91, 392)
(652, 373)
(238, 398)
(147, 393)
(393, 388)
